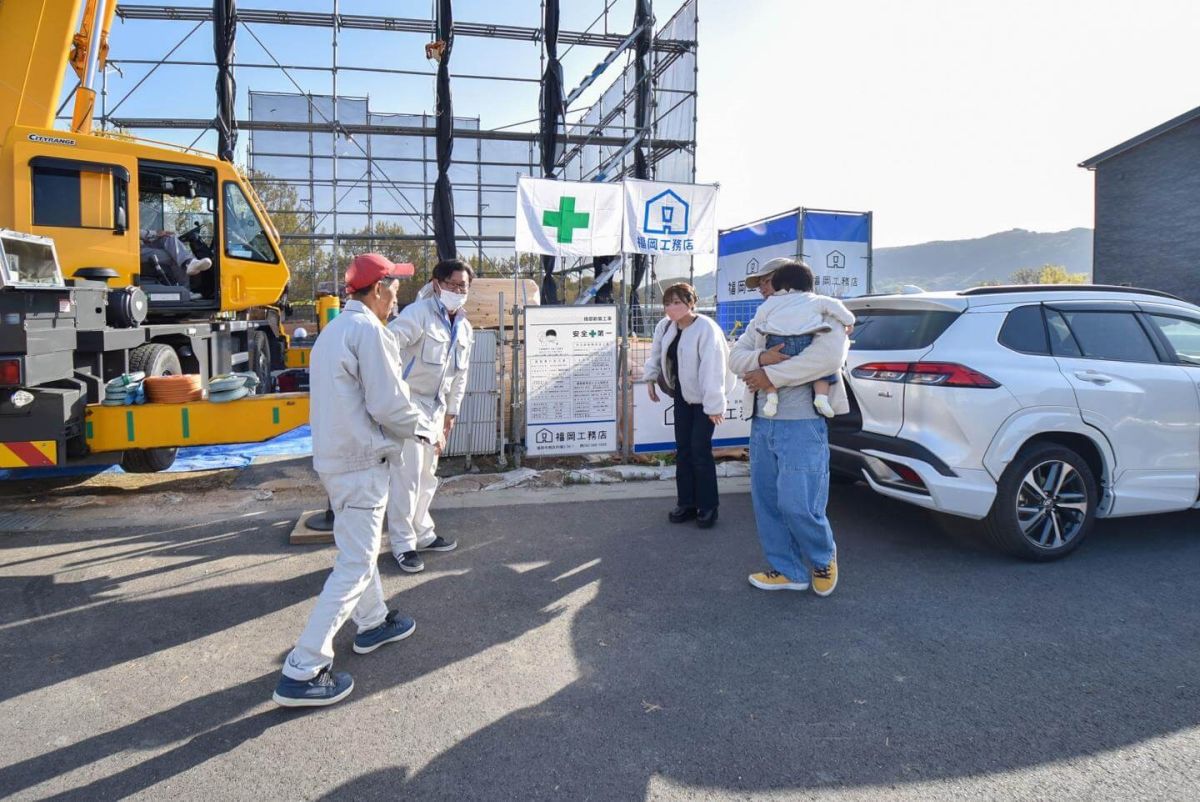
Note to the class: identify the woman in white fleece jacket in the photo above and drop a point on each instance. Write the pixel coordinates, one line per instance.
(688, 360)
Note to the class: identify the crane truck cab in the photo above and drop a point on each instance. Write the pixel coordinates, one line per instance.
(82, 300)
(96, 195)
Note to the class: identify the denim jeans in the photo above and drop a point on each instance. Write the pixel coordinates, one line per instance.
(793, 344)
(789, 484)
(695, 468)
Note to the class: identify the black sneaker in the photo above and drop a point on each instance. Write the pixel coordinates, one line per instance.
(681, 514)
(440, 544)
(411, 562)
(324, 689)
(706, 518)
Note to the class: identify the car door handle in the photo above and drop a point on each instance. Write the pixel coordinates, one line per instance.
(1093, 377)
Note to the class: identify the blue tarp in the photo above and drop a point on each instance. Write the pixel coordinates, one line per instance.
(297, 442)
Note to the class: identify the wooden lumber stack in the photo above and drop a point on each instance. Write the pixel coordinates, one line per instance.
(483, 303)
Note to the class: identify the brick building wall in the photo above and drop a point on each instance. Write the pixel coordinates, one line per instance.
(1148, 215)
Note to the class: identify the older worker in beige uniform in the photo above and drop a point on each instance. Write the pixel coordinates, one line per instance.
(360, 408)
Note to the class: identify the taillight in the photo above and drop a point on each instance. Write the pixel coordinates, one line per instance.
(882, 371)
(940, 374)
(10, 372)
(949, 374)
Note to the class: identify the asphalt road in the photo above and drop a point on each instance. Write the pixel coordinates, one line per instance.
(589, 650)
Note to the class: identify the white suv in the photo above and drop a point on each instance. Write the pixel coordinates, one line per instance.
(1036, 409)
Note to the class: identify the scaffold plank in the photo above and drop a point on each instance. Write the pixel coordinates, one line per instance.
(381, 23)
(197, 124)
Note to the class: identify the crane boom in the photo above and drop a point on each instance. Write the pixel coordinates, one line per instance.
(89, 56)
(35, 36)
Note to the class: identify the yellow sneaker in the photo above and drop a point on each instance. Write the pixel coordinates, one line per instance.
(773, 580)
(824, 580)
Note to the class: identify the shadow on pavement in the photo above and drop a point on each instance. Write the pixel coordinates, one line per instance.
(933, 659)
(930, 661)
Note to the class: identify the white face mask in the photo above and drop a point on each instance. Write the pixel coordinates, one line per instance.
(452, 300)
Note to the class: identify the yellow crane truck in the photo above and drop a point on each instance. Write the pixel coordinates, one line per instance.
(81, 300)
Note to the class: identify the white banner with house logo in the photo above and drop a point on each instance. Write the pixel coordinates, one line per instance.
(837, 246)
(670, 219)
(654, 423)
(570, 379)
(743, 251)
(568, 218)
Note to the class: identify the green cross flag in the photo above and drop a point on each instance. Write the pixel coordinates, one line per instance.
(565, 220)
(568, 218)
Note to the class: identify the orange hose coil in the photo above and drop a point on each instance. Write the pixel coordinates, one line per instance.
(173, 389)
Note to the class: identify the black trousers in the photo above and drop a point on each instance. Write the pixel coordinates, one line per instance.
(695, 468)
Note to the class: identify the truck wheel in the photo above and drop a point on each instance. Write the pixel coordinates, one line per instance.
(1045, 504)
(155, 359)
(259, 351)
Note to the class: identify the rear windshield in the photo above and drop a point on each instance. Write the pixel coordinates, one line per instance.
(898, 329)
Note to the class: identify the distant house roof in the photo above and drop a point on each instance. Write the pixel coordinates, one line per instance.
(1142, 138)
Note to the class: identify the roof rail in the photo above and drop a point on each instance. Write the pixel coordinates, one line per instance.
(1003, 290)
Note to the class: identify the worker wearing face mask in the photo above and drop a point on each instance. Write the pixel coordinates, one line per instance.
(435, 341)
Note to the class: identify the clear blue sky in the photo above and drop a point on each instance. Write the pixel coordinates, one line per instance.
(947, 118)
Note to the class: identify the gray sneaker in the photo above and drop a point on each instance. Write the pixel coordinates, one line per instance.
(411, 562)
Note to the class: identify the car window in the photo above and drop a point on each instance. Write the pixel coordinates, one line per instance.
(1062, 342)
(898, 329)
(1116, 336)
(1024, 331)
(1183, 335)
(244, 235)
(80, 196)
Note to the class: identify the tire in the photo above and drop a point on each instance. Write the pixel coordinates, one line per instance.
(259, 351)
(155, 359)
(1045, 504)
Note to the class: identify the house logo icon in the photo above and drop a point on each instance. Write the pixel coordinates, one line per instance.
(666, 213)
(751, 267)
(544, 436)
(835, 259)
(669, 416)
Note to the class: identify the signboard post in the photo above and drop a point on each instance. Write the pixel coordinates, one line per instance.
(570, 380)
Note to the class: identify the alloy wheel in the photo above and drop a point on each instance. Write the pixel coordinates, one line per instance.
(1052, 504)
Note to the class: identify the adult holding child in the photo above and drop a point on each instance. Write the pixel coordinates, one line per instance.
(689, 362)
(789, 450)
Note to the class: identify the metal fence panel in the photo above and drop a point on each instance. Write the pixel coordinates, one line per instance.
(477, 427)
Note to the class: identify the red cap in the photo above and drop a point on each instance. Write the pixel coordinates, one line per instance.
(367, 268)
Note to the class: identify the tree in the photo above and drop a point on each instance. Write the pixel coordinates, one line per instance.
(291, 217)
(525, 265)
(386, 239)
(1047, 274)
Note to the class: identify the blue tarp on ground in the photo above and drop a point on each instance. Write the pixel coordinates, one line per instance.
(297, 442)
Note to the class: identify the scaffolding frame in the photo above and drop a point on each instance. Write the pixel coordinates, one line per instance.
(608, 136)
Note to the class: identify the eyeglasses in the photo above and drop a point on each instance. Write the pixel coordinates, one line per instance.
(460, 287)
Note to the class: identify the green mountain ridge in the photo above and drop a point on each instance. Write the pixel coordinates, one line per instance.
(957, 264)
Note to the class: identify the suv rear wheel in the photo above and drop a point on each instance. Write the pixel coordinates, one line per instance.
(1045, 503)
